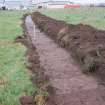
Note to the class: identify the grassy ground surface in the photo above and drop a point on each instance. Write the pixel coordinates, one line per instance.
(14, 79)
(91, 16)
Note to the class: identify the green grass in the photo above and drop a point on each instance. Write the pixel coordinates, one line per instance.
(91, 16)
(14, 78)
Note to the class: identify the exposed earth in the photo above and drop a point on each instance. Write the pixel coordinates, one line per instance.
(70, 85)
(83, 42)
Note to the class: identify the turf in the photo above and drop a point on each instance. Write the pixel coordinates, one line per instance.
(91, 16)
(14, 78)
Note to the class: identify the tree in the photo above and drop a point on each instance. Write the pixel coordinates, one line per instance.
(3, 7)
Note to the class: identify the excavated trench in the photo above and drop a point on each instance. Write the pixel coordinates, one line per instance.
(71, 86)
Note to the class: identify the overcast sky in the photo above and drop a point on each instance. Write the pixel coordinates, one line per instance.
(78, 1)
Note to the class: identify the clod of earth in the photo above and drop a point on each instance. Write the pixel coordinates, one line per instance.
(27, 100)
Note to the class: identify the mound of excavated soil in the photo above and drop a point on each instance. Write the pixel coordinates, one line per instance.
(86, 44)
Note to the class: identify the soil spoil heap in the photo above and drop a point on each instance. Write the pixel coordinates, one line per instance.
(85, 43)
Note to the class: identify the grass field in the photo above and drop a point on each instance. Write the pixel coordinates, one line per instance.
(14, 79)
(91, 16)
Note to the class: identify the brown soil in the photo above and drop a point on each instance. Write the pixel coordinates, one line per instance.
(69, 85)
(85, 44)
(38, 77)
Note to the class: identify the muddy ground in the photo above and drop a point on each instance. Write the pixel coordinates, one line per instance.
(85, 43)
(39, 79)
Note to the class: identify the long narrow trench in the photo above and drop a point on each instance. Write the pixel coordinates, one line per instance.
(71, 86)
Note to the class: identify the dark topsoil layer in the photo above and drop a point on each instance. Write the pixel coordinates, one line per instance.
(85, 43)
(38, 78)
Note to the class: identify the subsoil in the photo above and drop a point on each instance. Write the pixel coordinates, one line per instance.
(85, 43)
